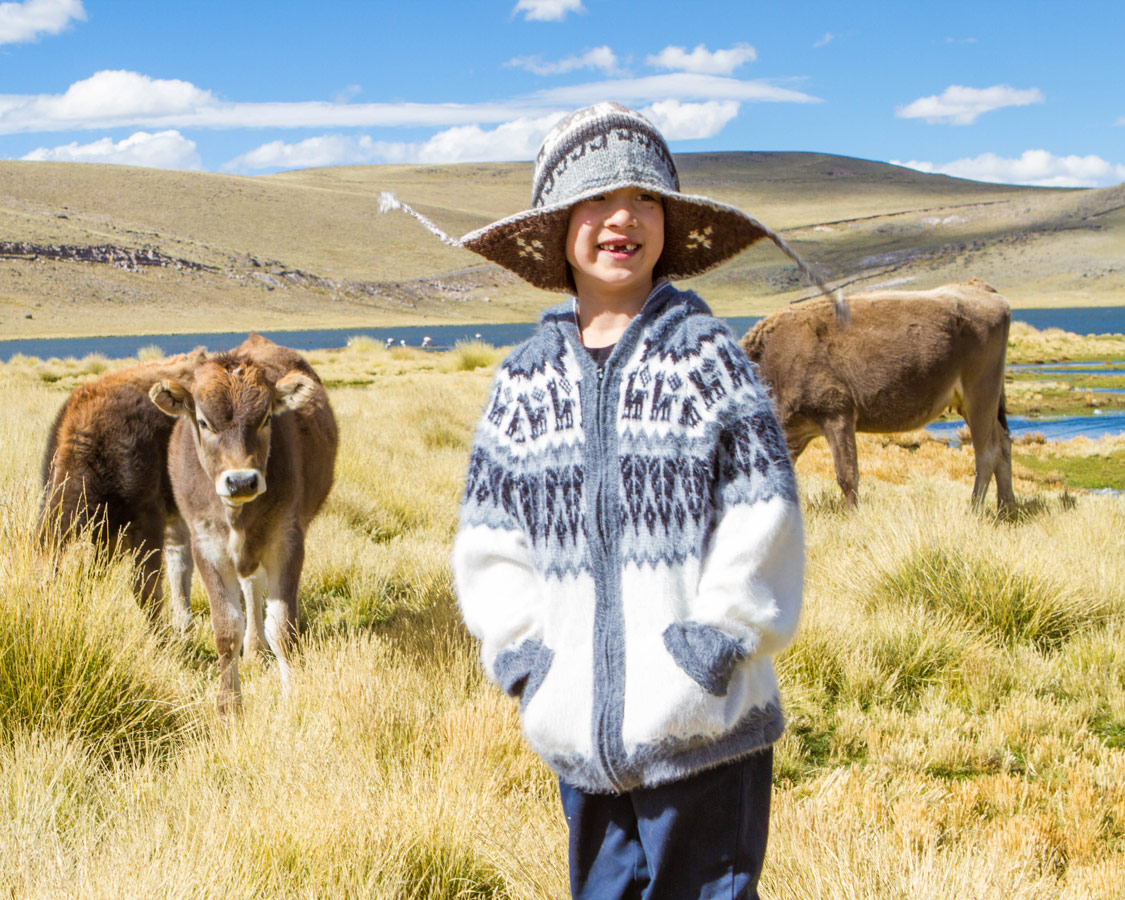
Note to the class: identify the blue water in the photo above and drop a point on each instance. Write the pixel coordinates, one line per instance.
(1084, 320)
(1053, 428)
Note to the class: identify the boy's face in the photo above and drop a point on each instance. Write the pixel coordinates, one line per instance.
(614, 241)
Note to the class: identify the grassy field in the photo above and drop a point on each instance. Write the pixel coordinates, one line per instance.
(956, 694)
(308, 249)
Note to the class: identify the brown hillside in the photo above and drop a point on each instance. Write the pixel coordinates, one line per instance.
(309, 249)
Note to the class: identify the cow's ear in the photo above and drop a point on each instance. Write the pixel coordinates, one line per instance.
(172, 398)
(293, 391)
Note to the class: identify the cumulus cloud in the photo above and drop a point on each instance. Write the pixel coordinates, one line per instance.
(1036, 168)
(548, 10)
(828, 38)
(701, 60)
(21, 22)
(164, 150)
(599, 58)
(958, 105)
(690, 121)
(515, 140)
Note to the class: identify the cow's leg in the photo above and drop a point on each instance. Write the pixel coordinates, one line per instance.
(281, 603)
(221, 581)
(254, 594)
(840, 433)
(992, 453)
(145, 538)
(178, 564)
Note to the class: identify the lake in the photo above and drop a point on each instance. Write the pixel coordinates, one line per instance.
(1087, 320)
(1082, 320)
(1053, 428)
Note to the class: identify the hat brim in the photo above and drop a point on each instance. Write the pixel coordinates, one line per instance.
(699, 234)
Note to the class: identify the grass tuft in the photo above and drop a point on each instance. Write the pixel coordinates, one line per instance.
(1009, 605)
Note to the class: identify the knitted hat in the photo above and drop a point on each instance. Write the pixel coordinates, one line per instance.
(594, 151)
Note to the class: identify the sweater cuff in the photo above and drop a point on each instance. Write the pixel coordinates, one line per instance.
(704, 653)
(520, 671)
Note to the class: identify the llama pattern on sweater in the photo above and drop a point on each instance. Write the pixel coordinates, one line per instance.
(609, 510)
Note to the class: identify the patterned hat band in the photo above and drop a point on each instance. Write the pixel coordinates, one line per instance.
(599, 146)
(596, 150)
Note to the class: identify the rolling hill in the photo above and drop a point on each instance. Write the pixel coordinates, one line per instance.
(95, 249)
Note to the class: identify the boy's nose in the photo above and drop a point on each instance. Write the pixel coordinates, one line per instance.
(622, 214)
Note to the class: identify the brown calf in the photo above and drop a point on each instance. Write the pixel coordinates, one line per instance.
(251, 461)
(106, 467)
(905, 357)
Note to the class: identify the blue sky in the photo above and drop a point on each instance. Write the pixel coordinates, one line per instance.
(1017, 92)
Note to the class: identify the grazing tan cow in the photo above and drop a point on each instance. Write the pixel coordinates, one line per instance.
(251, 461)
(905, 357)
(106, 467)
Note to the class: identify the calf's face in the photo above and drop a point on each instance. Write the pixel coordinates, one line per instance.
(230, 409)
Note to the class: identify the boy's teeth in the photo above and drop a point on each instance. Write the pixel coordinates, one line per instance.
(618, 246)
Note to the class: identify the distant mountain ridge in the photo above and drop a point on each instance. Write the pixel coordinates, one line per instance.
(308, 248)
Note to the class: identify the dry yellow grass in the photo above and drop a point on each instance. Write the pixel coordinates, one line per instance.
(939, 745)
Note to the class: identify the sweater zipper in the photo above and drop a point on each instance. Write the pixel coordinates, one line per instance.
(605, 723)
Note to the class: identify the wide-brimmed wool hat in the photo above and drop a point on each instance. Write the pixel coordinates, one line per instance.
(593, 151)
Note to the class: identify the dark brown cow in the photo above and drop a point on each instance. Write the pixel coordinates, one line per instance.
(106, 467)
(905, 357)
(251, 461)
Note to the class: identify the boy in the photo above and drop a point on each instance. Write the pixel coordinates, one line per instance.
(630, 551)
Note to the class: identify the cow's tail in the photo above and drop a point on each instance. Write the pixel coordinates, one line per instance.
(1002, 414)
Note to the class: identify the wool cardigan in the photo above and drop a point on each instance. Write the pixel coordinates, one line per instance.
(630, 552)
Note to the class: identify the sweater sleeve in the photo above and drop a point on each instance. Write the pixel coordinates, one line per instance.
(749, 596)
(499, 590)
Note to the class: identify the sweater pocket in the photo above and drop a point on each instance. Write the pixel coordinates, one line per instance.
(707, 655)
(520, 671)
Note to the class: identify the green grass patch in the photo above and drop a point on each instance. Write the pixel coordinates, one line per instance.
(1085, 472)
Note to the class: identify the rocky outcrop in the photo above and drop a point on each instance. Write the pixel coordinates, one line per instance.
(129, 258)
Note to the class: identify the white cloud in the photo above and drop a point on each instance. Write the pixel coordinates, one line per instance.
(515, 140)
(165, 150)
(828, 38)
(117, 99)
(599, 58)
(674, 86)
(688, 121)
(1036, 168)
(958, 105)
(701, 60)
(548, 10)
(21, 22)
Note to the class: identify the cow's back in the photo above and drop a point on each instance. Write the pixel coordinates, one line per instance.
(107, 449)
(896, 365)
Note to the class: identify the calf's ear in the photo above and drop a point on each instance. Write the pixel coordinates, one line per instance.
(172, 398)
(293, 391)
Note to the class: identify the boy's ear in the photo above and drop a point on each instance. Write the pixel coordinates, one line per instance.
(172, 398)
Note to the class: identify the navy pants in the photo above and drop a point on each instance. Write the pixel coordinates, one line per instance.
(698, 839)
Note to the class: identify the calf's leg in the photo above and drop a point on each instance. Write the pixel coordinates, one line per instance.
(145, 538)
(221, 581)
(840, 433)
(177, 562)
(254, 594)
(281, 604)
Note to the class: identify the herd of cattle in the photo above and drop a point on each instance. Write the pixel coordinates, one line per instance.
(225, 459)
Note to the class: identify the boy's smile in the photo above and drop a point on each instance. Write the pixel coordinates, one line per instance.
(613, 243)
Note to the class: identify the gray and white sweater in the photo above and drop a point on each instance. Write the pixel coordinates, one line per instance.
(630, 552)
